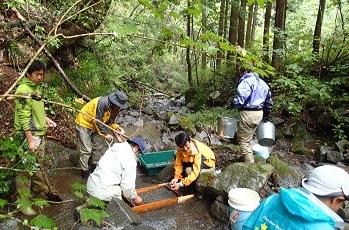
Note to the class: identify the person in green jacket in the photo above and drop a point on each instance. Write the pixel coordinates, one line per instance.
(31, 125)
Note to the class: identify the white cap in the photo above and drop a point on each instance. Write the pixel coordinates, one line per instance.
(327, 180)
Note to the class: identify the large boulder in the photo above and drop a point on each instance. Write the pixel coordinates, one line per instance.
(287, 176)
(236, 175)
(121, 215)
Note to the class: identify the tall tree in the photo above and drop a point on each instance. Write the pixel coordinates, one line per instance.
(233, 25)
(254, 21)
(249, 25)
(267, 16)
(204, 29)
(220, 31)
(190, 74)
(279, 35)
(226, 12)
(318, 26)
(241, 29)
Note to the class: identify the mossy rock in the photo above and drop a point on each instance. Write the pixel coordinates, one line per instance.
(299, 148)
(242, 175)
(187, 125)
(281, 167)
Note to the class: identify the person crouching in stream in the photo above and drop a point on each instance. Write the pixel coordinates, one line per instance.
(191, 158)
(115, 173)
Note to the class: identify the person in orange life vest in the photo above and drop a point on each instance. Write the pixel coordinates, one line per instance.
(191, 157)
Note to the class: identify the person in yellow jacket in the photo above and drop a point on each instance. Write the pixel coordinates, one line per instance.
(192, 156)
(104, 109)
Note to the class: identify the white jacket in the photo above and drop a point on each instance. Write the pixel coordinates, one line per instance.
(115, 174)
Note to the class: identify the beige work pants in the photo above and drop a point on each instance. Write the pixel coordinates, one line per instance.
(91, 146)
(248, 122)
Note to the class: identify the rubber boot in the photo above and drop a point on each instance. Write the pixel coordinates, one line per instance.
(249, 158)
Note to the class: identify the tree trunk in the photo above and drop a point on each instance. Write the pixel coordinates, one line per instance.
(278, 43)
(234, 21)
(254, 22)
(249, 26)
(318, 25)
(242, 17)
(190, 75)
(204, 29)
(267, 16)
(220, 31)
(233, 32)
(226, 12)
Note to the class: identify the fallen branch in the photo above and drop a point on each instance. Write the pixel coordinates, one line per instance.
(12, 96)
(25, 69)
(57, 65)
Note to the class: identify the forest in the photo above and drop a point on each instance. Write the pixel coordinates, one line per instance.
(191, 51)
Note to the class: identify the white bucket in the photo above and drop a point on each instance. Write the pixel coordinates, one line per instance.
(242, 202)
(261, 151)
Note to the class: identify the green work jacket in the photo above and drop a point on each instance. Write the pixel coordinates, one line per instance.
(29, 113)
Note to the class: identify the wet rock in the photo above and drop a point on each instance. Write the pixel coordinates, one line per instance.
(334, 156)
(321, 156)
(139, 123)
(83, 227)
(61, 156)
(166, 174)
(305, 168)
(201, 136)
(236, 175)
(173, 120)
(220, 212)
(138, 227)
(215, 140)
(342, 145)
(292, 178)
(10, 224)
(204, 184)
(287, 131)
(134, 113)
(120, 214)
(277, 121)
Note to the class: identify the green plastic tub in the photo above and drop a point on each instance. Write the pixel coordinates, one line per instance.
(153, 162)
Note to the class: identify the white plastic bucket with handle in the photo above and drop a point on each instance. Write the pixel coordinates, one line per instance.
(242, 202)
(261, 151)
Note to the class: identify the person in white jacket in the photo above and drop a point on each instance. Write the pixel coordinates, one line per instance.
(115, 174)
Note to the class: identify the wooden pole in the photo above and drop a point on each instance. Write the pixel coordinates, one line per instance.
(161, 204)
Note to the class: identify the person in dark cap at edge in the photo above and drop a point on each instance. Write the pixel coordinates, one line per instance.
(115, 174)
(89, 131)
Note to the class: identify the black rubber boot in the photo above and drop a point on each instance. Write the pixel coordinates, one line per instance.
(84, 174)
(92, 167)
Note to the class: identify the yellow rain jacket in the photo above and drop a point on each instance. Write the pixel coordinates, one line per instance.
(100, 109)
(195, 159)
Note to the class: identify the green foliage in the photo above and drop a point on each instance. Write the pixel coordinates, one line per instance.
(20, 3)
(96, 215)
(79, 190)
(96, 203)
(304, 89)
(44, 222)
(3, 203)
(15, 156)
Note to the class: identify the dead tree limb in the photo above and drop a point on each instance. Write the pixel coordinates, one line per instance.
(49, 55)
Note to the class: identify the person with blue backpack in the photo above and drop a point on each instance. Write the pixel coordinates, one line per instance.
(312, 206)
